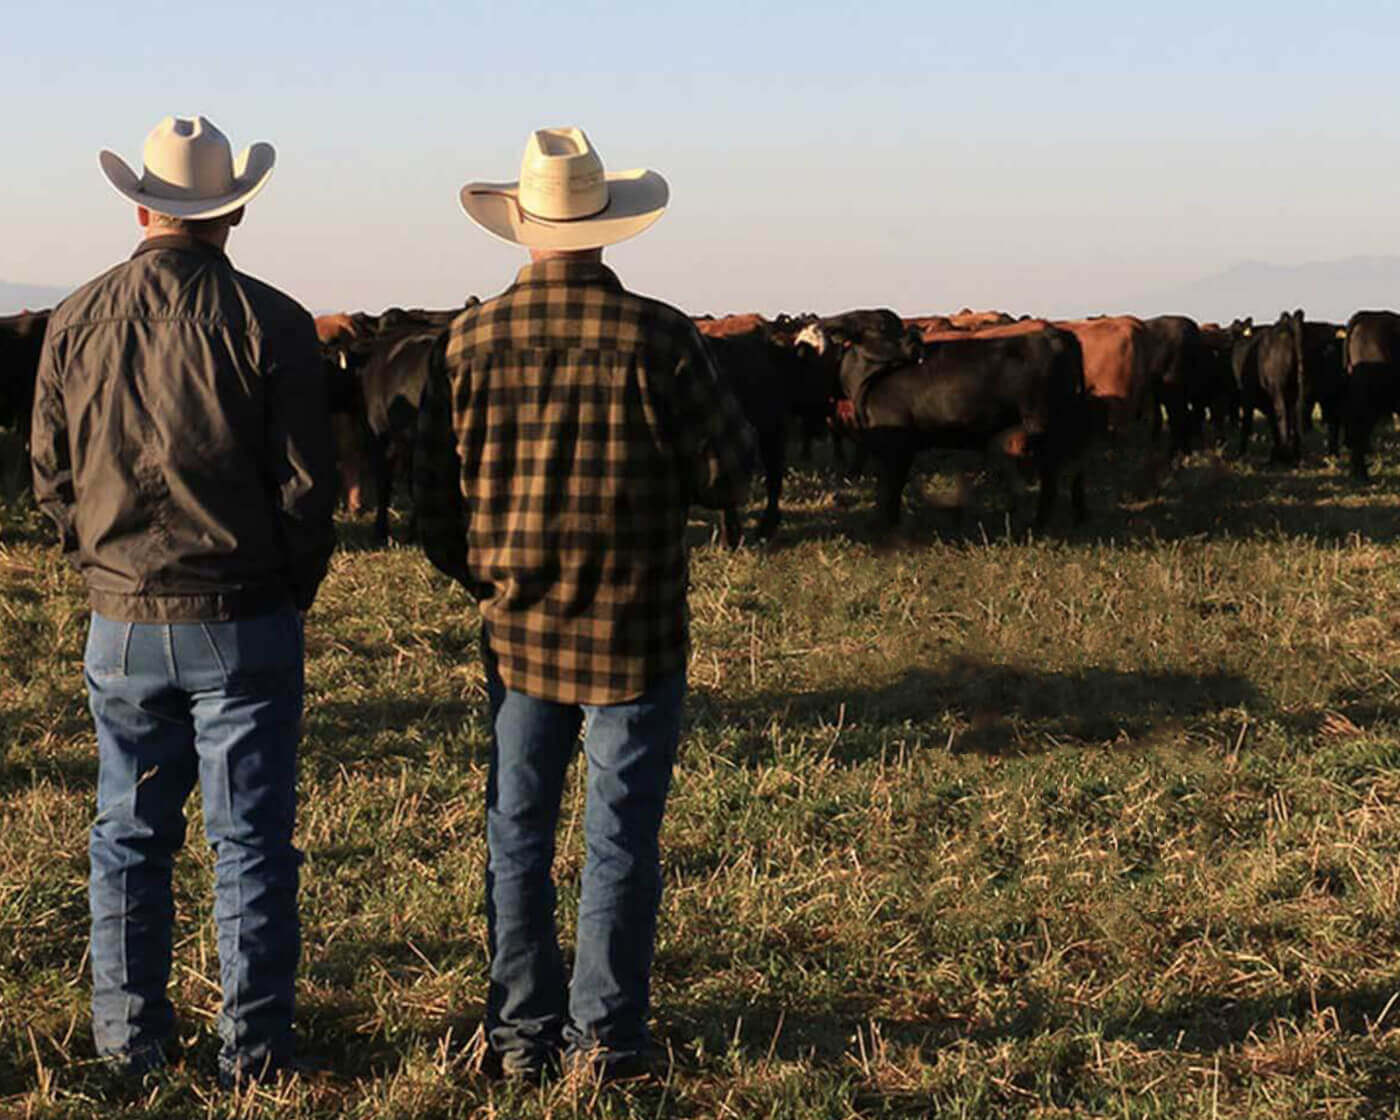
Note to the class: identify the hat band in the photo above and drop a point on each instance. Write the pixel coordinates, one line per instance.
(154, 185)
(523, 214)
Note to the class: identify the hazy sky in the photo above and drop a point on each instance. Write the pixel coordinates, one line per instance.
(1044, 158)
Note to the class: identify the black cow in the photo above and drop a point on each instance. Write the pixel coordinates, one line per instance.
(1372, 359)
(21, 339)
(1020, 396)
(1325, 383)
(1271, 369)
(1219, 391)
(761, 377)
(1178, 377)
(385, 364)
(878, 336)
(392, 382)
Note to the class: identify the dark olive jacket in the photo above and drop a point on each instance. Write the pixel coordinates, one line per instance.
(181, 441)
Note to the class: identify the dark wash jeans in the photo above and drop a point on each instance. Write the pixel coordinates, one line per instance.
(219, 702)
(630, 750)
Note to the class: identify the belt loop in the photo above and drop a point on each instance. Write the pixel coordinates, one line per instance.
(170, 667)
(126, 648)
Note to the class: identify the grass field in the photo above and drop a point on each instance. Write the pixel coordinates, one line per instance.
(1104, 824)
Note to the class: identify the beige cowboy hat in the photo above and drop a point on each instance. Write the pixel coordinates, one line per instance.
(189, 170)
(564, 199)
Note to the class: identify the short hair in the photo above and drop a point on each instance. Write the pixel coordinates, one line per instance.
(189, 225)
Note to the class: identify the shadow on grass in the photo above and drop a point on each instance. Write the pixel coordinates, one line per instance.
(1206, 1027)
(1217, 1022)
(21, 768)
(992, 708)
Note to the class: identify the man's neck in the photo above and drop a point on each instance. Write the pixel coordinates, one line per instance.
(539, 256)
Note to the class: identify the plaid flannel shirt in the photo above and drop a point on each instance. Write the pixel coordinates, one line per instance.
(565, 429)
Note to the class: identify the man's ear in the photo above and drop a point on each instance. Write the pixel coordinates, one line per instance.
(236, 217)
(143, 217)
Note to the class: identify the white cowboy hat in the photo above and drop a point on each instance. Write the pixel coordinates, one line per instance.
(189, 170)
(564, 199)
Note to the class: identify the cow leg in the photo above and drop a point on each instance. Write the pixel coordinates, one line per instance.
(1359, 437)
(771, 450)
(401, 462)
(1008, 451)
(852, 465)
(1281, 426)
(733, 526)
(1179, 422)
(1297, 418)
(383, 478)
(1049, 483)
(892, 463)
(1246, 421)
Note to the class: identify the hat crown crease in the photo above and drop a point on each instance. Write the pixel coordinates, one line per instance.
(561, 176)
(187, 158)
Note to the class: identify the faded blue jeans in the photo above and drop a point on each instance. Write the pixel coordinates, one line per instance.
(219, 702)
(630, 750)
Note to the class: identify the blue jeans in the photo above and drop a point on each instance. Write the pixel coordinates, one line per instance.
(220, 702)
(630, 750)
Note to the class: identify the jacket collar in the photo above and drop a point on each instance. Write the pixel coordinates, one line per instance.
(180, 242)
(562, 271)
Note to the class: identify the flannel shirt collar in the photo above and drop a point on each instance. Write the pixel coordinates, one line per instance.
(560, 271)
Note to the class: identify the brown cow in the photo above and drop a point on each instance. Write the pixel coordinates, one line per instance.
(929, 324)
(1011, 328)
(969, 320)
(1115, 369)
(730, 325)
(339, 327)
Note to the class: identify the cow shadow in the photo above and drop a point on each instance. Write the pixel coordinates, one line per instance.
(976, 707)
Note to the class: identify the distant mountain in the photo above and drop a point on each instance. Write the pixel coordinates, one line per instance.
(1329, 290)
(19, 297)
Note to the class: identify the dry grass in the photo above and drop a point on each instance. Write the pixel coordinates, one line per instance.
(1098, 825)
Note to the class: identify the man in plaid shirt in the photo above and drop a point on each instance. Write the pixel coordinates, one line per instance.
(565, 429)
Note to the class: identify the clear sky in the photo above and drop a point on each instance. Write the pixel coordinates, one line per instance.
(1036, 157)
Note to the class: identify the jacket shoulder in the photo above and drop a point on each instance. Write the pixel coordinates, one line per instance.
(96, 299)
(272, 306)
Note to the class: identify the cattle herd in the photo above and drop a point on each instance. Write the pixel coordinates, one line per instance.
(1036, 396)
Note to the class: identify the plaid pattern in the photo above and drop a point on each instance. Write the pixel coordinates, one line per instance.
(565, 429)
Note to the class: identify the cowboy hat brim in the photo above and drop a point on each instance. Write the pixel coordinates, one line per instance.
(251, 171)
(635, 200)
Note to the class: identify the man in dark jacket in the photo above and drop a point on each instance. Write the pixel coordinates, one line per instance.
(181, 444)
(566, 427)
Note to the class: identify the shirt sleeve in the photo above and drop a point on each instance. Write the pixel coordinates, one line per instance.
(302, 459)
(717, 443)
(51, 459)
(437, 474)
